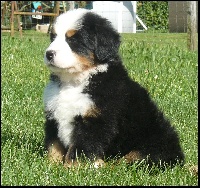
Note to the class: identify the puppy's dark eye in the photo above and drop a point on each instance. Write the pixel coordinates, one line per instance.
(52, 36)
(69, 39)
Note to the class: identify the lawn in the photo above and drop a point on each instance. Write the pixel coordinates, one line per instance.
(158, 61)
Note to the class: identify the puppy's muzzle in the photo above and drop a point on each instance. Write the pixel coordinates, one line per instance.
(50, 54)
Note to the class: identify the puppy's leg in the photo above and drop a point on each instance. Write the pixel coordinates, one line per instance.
(56, 152)
(52, 144)
(70, 162)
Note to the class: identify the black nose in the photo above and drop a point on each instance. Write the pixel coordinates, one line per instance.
(50, 54)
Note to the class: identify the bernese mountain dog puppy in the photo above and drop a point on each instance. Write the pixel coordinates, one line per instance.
(92, 107)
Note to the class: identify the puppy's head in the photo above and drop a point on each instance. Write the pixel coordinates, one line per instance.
(80, 40)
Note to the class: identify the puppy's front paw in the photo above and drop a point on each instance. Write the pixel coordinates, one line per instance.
(71, 163)
(56, 152)
(99, 163)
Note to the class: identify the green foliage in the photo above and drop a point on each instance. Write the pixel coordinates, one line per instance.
(160, 62)
(154, 14)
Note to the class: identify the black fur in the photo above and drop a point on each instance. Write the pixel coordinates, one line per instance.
(129, 120)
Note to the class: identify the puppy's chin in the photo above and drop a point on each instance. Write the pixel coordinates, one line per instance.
(70, 70)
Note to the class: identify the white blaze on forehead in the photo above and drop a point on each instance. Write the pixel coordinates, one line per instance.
(68, 21)
(64, 58)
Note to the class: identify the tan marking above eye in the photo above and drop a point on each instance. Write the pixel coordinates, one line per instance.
(70, 33)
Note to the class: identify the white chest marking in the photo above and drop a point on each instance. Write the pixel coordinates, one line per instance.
(65, 103)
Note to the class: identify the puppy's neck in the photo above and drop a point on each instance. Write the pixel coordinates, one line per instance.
(77, 78)
(74, 79)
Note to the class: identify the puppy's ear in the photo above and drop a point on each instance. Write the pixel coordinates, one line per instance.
(107, 41)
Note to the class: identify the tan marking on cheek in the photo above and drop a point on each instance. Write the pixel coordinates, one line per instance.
(56, 152)
(85, 63)
(70, 33)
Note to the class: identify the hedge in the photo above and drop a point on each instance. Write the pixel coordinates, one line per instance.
(154, 14)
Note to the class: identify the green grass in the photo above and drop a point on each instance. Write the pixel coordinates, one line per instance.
(159, 62)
